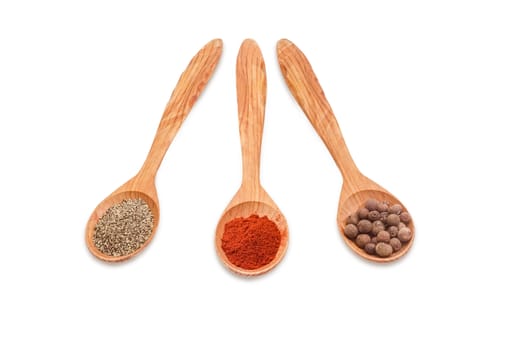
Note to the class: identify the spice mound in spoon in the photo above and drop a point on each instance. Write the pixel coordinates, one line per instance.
(379, 228)
(251, 243)
(124, 228)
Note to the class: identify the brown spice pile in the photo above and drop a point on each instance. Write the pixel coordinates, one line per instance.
(123, 228)
(379, 228)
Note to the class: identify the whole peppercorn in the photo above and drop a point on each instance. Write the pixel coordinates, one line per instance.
(404, 217)
(404, 234)
(370, 248)
(401, 225)
(371, 204)
(392, 220)
(382, 207)
(393, 230)
(384, 250)
(395, 209)
(384, 216)
(396, 244)
(352, 219)
(374, 215)
(363, 213)
(364, 226)
(361, 240)
(383, 236)
(351, 231)
(377, 226)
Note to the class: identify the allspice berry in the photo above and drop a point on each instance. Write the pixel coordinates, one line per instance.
(371, 204)
(404, 217)
(392, 220)
(395, 209)
(404, 234)
(382, 207)
(352, 219)
(393, 230)
(370, 248)
(383, 236)
(374, 215)
(374, 239)
(377, 226)
(361, 240)
(351, 231)
(396, 244)
(363, 213)
(364, 226)
(384, 250)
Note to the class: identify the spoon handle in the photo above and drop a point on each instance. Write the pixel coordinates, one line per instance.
(189, 87)
(251, 101)
(305, 87)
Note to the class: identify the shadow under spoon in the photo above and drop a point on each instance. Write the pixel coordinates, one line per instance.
(357, 188)
(142, 186)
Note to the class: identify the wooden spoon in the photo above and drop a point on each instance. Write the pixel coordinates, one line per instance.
(251, 198)
(357, 188)
(142, 185)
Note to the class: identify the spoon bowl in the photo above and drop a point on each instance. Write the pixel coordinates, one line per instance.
(142, 186)
(352, 202)
(126, 191)
(244, 210)
(357, 188)
(251, 198)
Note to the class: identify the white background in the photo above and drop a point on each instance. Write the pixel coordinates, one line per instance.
(429, 96)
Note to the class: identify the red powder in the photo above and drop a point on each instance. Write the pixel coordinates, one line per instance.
(252, 242)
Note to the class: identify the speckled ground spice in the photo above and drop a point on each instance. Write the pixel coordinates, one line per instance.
(123, 228)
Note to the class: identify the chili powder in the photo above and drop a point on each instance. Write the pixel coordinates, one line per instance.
(251, 243)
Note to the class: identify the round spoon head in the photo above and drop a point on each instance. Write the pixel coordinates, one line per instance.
(244, 210)
(350, 203)
(100, 210)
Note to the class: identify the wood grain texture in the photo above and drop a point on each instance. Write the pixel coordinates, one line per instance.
(142, 185)
(251, 198)
(357, 188)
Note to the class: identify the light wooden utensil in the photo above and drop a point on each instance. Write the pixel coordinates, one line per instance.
(357, 188)
(251, 198)
(142, 185)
